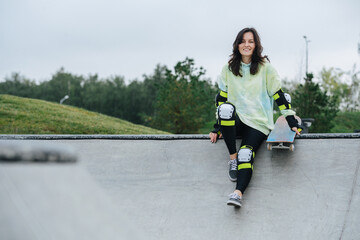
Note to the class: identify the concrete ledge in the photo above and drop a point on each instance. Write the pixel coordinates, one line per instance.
(155, 137)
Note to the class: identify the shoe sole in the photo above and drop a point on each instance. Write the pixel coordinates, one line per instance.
(233, 203)
(232, 179)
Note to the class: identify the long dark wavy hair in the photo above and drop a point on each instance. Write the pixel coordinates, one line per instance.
(256, 58)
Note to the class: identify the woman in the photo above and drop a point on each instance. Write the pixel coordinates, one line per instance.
(248, 84)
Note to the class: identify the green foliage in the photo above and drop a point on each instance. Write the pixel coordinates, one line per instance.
(184, 101)
(147, 98)
(346, 122)
(181, 101)
(110, 96)
(310, 101)
(104, 96)
(332, 84)
(207, 127)
(343, 86)
(31, 116)
(61, 84)
(135, 102)
(353, 104)
(18, 85)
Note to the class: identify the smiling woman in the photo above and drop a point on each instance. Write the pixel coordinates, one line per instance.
(248, 86)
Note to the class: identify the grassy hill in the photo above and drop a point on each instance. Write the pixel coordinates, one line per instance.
(31, 116)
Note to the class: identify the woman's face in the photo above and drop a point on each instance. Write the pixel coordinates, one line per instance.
(247, 46)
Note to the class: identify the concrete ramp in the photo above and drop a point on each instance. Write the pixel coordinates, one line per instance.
(177, 189)
(54, 200)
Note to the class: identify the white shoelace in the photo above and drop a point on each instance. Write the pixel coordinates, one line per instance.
(235, 196)
(233, 164)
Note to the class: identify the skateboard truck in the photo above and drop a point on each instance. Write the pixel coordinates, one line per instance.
(271, 146)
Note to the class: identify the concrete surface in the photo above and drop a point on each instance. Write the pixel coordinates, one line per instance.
(177, 189)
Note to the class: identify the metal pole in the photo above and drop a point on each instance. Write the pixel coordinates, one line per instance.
(306, 41)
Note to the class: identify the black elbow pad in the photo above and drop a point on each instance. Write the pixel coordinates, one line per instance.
(283, 100)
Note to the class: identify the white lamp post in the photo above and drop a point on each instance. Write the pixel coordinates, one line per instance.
(63, 99)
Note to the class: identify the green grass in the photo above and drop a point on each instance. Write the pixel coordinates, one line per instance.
(31, 116)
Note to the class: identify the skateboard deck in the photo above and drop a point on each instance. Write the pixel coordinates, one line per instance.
(282, 137)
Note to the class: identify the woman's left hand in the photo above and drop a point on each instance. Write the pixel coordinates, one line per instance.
(296, 130)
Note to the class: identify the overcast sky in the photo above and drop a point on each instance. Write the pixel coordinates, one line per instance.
(130, 37)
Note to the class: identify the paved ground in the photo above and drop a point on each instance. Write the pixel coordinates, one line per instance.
(177, 189)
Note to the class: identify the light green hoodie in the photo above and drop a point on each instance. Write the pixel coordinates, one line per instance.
(252, 95)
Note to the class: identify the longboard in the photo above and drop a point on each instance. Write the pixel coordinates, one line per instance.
(282, 137)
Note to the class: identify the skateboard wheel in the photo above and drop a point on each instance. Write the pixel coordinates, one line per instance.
(269, 146)
(292, 147)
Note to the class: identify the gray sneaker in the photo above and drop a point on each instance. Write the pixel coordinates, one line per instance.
(234, 200)
(233, 170)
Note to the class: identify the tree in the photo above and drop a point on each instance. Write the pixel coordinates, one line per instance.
(135, 101)
(151, 84)
(185, 101)
(332, 83)
(311, 102)
(18, 85)
(96, 93)
(114, 97)
(62, 83)
(353, 103)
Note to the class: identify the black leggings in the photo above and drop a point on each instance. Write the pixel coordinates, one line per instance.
(250, 138)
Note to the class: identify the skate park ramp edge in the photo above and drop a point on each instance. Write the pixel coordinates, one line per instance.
(143, 187)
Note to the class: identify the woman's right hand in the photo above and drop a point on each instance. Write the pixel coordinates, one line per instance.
(214, 137)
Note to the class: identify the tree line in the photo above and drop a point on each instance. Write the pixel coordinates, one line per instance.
(181, 100)
(334, 90)
(177, 101)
